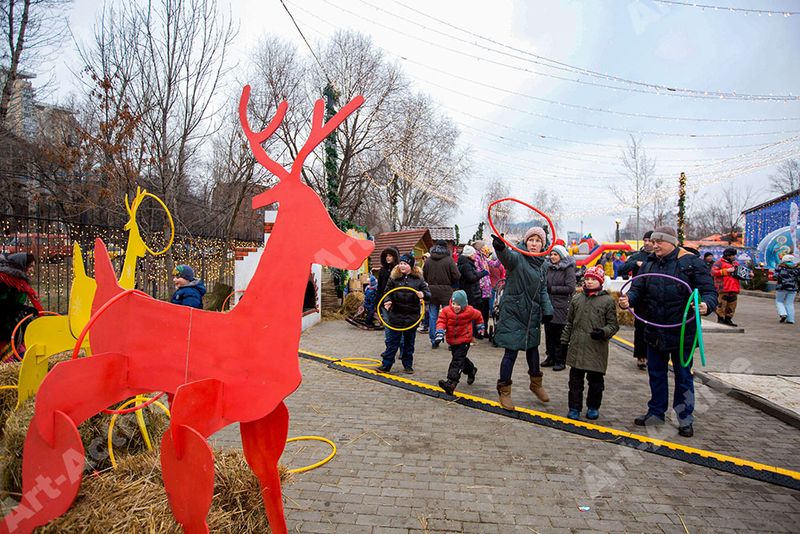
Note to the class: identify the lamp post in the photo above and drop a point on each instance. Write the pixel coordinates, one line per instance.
(618, 223)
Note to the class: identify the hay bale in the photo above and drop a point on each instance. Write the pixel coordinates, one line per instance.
(9, 374)
(352, 301)
(624, 317)
(128, 440)
(132, 499)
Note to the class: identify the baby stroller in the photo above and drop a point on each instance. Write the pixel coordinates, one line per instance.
(494, 313)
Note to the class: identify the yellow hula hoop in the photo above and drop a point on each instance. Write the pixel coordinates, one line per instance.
(8, 387)
(139, 420)
(169, 218)
(321, 462)
(421, 311)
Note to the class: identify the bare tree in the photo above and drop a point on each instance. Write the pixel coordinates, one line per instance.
(502, 213)
(30, 31)
(550, 204)
(787, 179)
(637, 189)
(726, 210)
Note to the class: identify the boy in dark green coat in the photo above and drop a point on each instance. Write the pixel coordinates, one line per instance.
(591, 322)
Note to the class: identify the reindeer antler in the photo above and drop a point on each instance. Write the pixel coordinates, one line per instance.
(256, 139)
(320, 131)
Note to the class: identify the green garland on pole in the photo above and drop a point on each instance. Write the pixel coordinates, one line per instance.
(331, 157)
(681, 209)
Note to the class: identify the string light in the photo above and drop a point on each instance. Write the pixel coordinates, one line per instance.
(592, 109)
(554, 64)
(759, 12)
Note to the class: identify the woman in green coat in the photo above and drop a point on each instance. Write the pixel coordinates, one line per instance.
(524, 307)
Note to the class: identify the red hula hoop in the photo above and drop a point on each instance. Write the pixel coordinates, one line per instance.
(14, 350)
(503, 239)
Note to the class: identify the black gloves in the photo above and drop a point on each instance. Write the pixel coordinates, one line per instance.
(483, 273)
(547, 318)
(597, 333)
(497, 243)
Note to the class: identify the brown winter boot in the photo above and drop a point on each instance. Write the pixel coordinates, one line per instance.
(504, 389)
(538, 389)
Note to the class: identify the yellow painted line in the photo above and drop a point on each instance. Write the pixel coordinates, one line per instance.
(623, 341)
(565, 420)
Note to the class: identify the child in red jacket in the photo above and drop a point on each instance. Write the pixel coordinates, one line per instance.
(455, 322)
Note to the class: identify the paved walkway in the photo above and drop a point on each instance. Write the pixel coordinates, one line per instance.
(411, 463)
(764, 361)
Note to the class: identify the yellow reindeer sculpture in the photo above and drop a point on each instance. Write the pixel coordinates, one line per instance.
(49, 335)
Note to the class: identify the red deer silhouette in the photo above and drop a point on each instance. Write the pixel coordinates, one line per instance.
(217, 368)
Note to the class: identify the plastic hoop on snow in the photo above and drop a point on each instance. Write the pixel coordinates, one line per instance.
(659, 275)
(321, 462)
(387, 325)
(511, 245)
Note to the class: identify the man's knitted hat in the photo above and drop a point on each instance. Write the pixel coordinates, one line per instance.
(665, 233)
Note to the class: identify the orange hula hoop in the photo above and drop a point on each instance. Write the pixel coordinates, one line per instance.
(537, 210)
(14, 350)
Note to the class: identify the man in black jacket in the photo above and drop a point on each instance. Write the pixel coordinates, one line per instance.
(440, 272)
(666, 301)
(632, 266)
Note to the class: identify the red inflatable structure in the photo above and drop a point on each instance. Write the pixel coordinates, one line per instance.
(217, 368)
(589, 259)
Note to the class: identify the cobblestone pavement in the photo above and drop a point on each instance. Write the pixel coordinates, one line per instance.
(412, 463)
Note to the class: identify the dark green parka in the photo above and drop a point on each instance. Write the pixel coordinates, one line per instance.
(584, 315)
(524, 301)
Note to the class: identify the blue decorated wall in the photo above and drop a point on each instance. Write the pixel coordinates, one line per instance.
(767, 218)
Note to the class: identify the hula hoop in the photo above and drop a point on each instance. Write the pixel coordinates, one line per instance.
(142, 428)
(698, 333)
(135, 408)
(169, 218)
(661, 275)
(321, 462)
(384, 323)
(14, 350)
(224, 302)
(8, 387)
(503, 239)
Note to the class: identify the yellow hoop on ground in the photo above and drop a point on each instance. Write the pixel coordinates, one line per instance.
(321, 462)
(139, 420)
(135, 209)
(387, 325)
(355, 359)
(8, 387)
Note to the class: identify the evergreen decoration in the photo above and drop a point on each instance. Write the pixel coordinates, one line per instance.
(458, 234)
(681, 209)
(331, 157)
(478, 235)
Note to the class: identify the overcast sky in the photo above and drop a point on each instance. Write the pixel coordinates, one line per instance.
(527, 122)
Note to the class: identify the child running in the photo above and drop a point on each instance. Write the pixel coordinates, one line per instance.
(591, 322)
(455, 325)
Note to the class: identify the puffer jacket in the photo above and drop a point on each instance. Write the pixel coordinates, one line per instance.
(787, 278)
(386, 269)
(585, 314)
(458, 326)
(482, 264)
(723, 280)
(405, 309)
(666, 299)
(631, 266)
(440, 273)
(524, 303)
(561, 287)
(191, 295)
(470, 280)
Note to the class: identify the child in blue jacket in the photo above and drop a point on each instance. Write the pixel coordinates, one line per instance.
(189, 290)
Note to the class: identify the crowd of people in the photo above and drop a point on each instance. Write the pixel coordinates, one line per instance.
(543, 295)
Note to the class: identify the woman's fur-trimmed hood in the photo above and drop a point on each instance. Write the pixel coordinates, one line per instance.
(416, 272)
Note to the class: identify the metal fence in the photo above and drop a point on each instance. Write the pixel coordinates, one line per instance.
(51, 240)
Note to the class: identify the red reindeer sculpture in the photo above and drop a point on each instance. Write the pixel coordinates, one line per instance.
(217, 368)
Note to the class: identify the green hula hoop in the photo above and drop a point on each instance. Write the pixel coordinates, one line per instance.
(694, 298)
